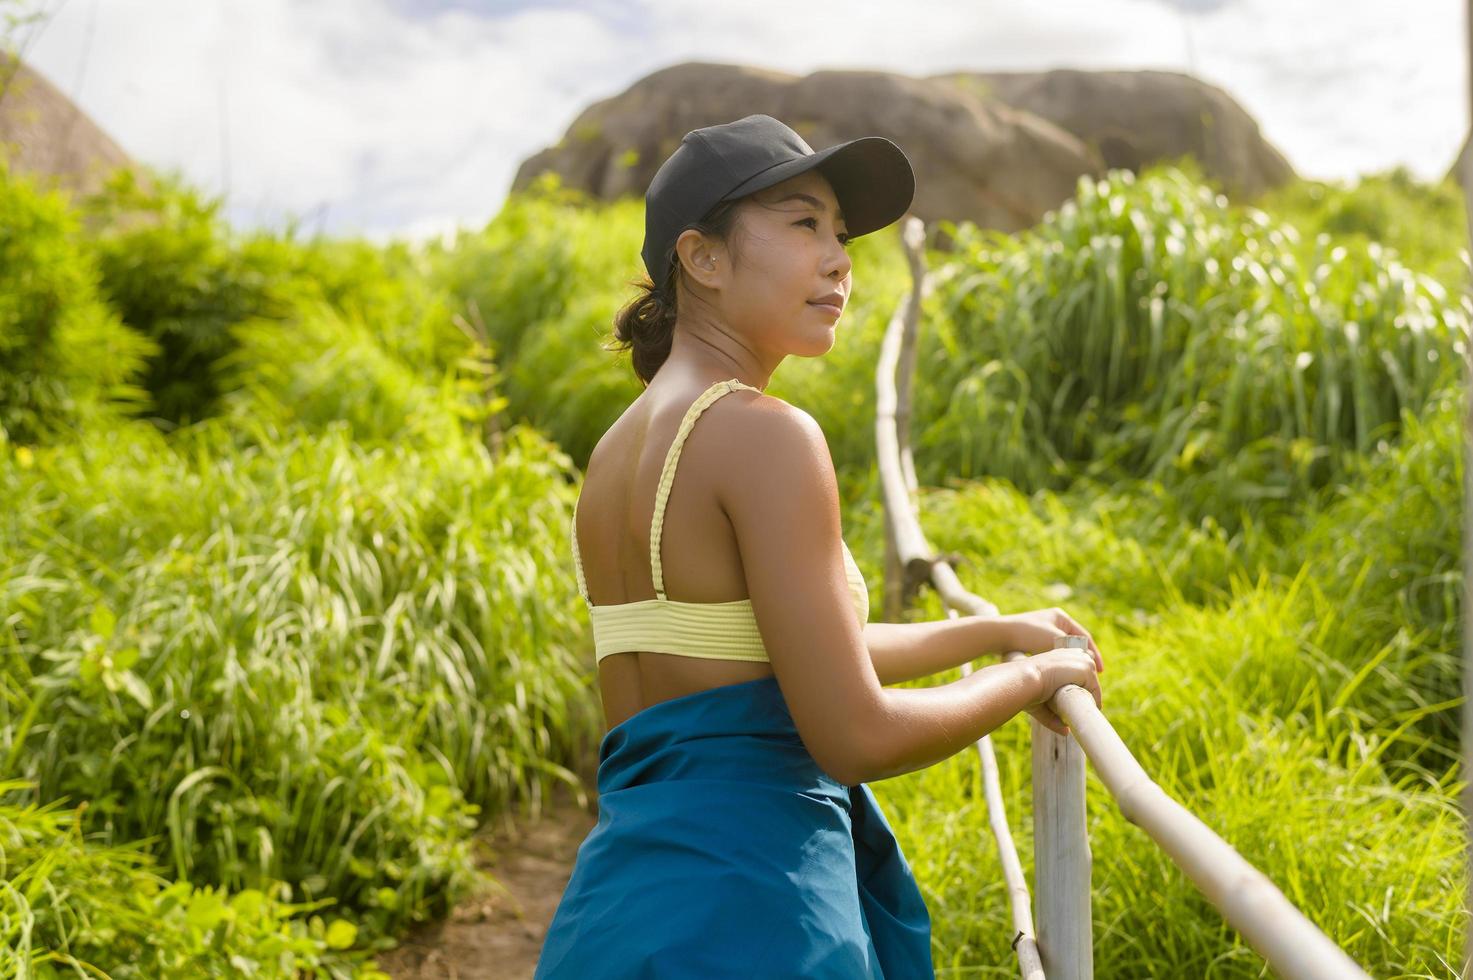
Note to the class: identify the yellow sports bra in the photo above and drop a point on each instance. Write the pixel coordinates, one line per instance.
(714, 630)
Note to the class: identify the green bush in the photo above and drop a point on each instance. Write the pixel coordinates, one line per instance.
(72, 907)
(173, 272)
(1144, 330)
(1425, 222)
(177, 273)
(283, 656)
(541, 283)
(66, 362)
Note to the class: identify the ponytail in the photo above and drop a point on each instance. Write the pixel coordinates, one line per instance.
(646, 324)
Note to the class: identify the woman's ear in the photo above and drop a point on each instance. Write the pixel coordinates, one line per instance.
(700, 261)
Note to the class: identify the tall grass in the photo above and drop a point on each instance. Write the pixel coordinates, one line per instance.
(1386, 548)
(66, 359)
(289, 657)
(1426, 222)
(73, 907)
(1147, 330)
(1278, 708)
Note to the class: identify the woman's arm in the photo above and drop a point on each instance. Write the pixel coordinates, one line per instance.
(780, 492)
(907, 651)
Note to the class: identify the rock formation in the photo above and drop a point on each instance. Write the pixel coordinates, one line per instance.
(975, 159)
(998, 149)
(1134, 118)
(46, 137)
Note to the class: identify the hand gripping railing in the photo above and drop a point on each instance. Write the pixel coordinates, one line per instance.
(1062, 948)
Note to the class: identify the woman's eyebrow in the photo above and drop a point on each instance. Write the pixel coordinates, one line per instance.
(811, 201)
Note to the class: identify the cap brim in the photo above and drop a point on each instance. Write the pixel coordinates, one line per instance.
(871, 177)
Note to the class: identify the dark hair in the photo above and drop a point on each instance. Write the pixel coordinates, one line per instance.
(646, 324)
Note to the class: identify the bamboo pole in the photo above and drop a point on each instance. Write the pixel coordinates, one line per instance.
(1467, 448)
(904, 538)
(913, 236)
(894, 417)
(1061, 866)
(1024, 942)
(1250, 902)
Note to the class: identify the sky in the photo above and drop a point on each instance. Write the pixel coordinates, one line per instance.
(409, 118)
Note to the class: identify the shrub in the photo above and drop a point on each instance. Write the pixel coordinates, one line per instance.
(66, 361)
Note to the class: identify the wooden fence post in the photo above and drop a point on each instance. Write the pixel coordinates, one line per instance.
(1061, 857)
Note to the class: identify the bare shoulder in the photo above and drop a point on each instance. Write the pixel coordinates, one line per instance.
(780, 493)
(768, 441)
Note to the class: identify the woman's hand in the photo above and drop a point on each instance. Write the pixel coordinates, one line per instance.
(1039, 630)
(1057, 668)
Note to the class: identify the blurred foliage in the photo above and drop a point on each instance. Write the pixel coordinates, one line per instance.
(542, 282)
(1145, 329)
(177, 273)
(1425, 222)
(79, 908)
(66, 361)
(286, 657)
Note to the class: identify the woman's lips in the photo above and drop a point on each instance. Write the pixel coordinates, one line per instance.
(829, 307)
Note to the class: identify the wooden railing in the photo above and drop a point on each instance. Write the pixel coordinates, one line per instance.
(1062, 948)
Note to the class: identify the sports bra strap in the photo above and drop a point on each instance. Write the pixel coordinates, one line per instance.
(578, 559)
(667, 474)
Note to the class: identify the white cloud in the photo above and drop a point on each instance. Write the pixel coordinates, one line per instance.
(388, 117)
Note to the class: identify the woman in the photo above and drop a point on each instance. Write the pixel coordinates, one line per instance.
(745, 693)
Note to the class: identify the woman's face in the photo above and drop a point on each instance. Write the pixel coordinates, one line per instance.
(790, 244)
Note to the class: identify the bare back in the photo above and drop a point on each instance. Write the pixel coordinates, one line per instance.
(699, 558)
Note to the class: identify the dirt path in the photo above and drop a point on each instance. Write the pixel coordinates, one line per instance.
(499, 934)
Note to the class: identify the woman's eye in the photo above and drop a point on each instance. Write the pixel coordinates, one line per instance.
(843, 236)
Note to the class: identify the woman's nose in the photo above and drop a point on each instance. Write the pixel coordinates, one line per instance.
(841, 262)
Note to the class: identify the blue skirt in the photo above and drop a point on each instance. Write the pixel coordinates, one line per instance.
(723, 850)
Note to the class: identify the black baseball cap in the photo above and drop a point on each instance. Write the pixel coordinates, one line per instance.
(871, 177)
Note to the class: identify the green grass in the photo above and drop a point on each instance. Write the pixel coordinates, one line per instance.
(74, 907)
(1148, 330)
(1425, 222)
(1243, 706)
(298, 659)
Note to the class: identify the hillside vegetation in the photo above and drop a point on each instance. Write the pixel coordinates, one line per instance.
(287, 607)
